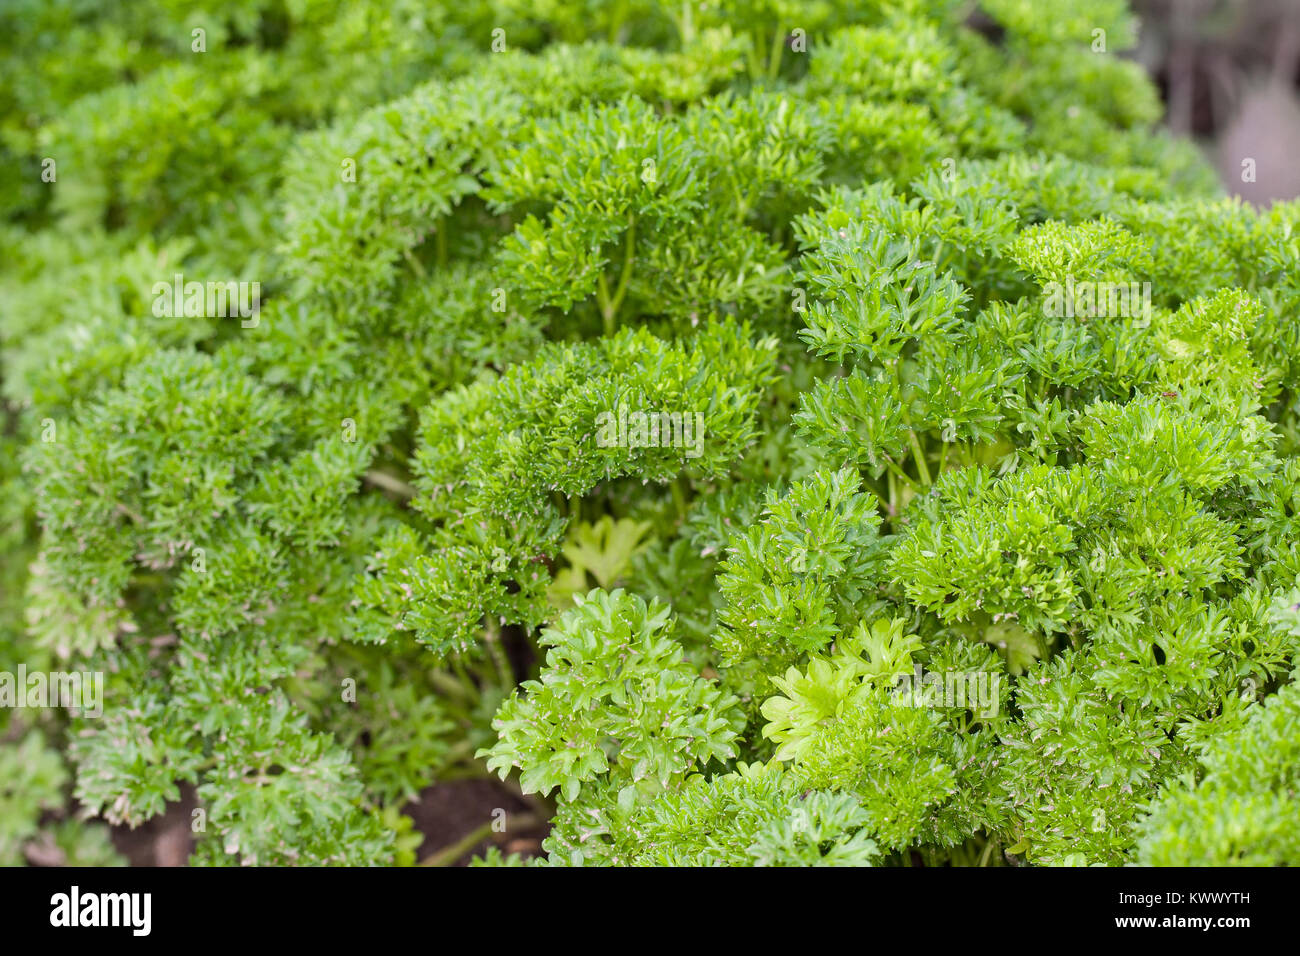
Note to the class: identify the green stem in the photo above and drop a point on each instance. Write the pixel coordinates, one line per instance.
(381, 479)
(903, 476)
(922, 468)
(415, 263)
(449, 686)
(440, 244)
(774, 55)
(616, 24)
(687, 25)
(469, 767)
(450, 854)
(602, 300)
(742, 203)
(505, 676)
(463, 749)
(679, 497)
(629, 244)
(755, 65)
(471, 689)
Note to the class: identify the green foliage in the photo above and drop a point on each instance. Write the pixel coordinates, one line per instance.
(33, 776)
(777, 433)
(1242, 812)
(755, 816)
(801, 573)
(615, 703)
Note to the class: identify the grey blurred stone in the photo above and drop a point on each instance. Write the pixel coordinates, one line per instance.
(1266, 129)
